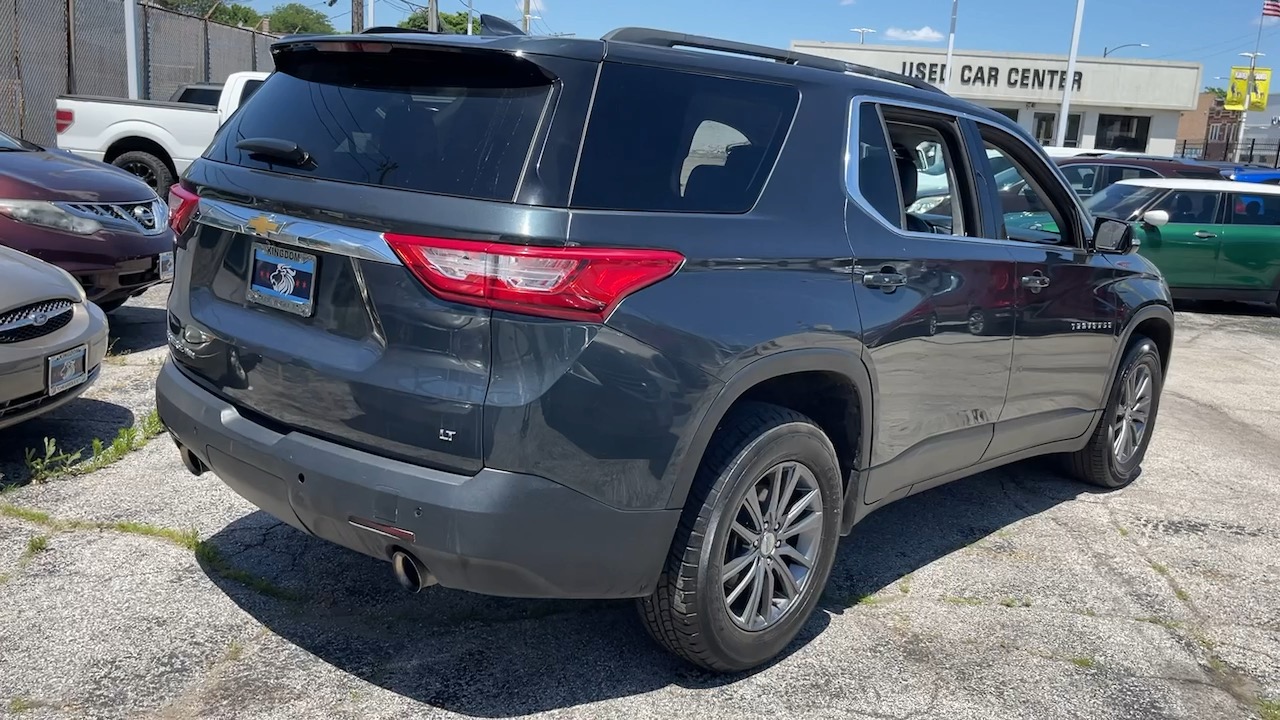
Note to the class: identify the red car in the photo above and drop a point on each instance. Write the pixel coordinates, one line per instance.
(101, 224)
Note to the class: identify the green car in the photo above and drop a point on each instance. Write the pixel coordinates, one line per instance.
(1211, 239)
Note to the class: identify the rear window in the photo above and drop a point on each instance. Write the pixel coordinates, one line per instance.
(663, 140)
(447, 123)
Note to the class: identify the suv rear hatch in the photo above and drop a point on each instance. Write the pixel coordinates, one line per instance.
(293, 304)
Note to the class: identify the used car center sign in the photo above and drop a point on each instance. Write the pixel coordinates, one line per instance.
(1012, 76)
(1123, 85)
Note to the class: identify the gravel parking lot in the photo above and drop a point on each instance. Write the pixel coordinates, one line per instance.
(137, 590)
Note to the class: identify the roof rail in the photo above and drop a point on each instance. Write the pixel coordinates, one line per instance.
(667, 39)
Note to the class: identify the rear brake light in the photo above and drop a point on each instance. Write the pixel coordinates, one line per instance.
(63, 119)
(572, 283)
(182, 205)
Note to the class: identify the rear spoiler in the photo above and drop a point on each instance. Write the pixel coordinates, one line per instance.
(490, 26)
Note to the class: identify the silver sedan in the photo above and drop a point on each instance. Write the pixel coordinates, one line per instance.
(52, 340)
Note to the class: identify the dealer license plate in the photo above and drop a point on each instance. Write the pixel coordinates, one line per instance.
(68, 369)
(283, 279)
(165, 264)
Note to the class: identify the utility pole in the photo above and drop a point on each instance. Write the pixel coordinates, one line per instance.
(528, 15)
(131, 47)
(357, 16)
(470, 12)
(951, 46)
(433, 16)
(1060, 137)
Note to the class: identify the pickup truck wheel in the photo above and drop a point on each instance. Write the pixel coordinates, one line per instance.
(1119, 442)
(755, 544)
(151, 169)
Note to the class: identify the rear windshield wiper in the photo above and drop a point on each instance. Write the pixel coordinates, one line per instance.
(277, 150)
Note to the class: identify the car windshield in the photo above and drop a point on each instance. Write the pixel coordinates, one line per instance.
(1120, 201)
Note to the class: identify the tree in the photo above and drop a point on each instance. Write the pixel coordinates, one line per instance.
(1220, 92)
(298, 18)
(236, 14)
(450, 22)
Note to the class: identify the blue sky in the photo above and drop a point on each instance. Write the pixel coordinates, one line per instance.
(1211, 33)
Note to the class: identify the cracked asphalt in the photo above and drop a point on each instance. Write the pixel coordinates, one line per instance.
(1013, 594)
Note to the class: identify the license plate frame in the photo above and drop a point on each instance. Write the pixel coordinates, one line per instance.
(67, 369)
(269, 286)
(164, 265)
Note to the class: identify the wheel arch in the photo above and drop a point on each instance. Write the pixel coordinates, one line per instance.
(1153, 321)
(137, 143)
(846, 415)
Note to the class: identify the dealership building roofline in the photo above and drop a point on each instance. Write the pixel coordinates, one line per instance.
(1116, 103)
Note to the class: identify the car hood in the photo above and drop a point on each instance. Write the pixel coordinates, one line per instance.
(28, 280)
(63, 177)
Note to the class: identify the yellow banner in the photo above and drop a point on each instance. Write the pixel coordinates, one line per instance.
(1238, 87)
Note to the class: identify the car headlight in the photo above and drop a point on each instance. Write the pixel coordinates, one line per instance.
(34, 212)
(924, 205)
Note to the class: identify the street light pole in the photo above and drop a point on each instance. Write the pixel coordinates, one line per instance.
(1060, 137)
(1108, 51)
(862, 34)
(1248, 96)
(951, 46)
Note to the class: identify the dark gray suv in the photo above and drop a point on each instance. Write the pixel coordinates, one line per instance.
(548, 317)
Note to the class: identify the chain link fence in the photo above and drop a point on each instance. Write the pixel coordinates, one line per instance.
(58, 47)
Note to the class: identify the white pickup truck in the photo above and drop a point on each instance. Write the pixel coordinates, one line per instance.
(153, 139)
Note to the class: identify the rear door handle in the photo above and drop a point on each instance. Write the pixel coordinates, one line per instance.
(1036, 281)
(884, 280)
(1205, 234)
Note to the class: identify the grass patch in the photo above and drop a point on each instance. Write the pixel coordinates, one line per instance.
(1124, 532)
(1160, 569)
(1082, 661)
(52, 463)
(186, 539)
(956, 600)
(1016, 602)
(21, 704)
(37, 544)
(1162, 622)
(1269, 709)
(904, 587)
(236, 651)
(212, 557)
(1181, 594)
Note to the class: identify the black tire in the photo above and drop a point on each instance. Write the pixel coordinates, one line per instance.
(147, 167)
(1097, 463)
(688, 613)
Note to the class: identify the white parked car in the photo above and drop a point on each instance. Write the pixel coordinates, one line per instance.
(153, 139)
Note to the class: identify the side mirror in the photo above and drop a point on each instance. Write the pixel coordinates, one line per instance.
(1112, 236)
(1156, 218)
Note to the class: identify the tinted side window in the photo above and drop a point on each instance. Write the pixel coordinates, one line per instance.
(663, 140)
(1081, 177)
(872, 172)
(414, 120)
(250, 87)
(1039, 209)
(201, 96)
(1191, 207)
(1256, 210)
(1116, 174)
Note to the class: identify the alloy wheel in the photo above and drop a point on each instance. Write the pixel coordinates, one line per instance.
(142, 170)
(1129, 425)
(772, 547)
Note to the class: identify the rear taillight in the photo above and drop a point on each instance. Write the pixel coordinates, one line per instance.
(63, 119)
(572, 283)
(182, 205)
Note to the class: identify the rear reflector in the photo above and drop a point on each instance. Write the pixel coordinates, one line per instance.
(574, 283)
(182, 205)
(63, 119)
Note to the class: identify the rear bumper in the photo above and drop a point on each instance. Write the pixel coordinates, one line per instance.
(496, 533)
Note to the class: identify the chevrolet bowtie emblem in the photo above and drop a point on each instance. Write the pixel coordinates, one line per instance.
(263, 225)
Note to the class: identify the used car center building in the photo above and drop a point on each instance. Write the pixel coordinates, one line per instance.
(1116, 104)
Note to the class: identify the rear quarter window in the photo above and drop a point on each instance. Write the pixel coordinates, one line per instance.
(458, 124)
(671, 141)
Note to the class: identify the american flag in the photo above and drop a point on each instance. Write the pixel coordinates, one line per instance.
(1271, 8)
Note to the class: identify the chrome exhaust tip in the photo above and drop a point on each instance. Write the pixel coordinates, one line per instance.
(410, 573)
(194, 465)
